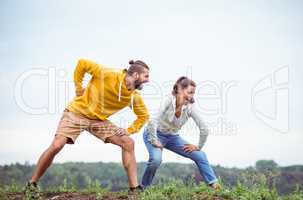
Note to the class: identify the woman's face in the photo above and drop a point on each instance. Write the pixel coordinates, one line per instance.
(188, 94)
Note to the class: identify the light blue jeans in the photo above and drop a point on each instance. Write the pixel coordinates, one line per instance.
(174, 143)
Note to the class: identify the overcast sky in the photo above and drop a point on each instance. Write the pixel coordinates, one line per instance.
(245, 56)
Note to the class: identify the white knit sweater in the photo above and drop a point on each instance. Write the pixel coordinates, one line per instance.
(167, 122)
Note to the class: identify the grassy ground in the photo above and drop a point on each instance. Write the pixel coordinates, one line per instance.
(169, 191)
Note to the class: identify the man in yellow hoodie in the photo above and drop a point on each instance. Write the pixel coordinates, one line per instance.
(107, 92)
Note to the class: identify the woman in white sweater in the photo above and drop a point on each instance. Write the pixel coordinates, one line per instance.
(162, 132)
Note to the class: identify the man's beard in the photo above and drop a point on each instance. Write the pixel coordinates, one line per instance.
(138, 85)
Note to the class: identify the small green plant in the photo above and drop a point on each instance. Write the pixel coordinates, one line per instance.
(174, 191)
(32, 192)
(95, 187)
(3, 194)
(13, 187)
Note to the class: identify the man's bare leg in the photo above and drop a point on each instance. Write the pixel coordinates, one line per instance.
(47, 157)
(128, 157)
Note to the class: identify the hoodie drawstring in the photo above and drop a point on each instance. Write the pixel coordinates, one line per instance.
(120, 87)
(131, 97)
(132, 101)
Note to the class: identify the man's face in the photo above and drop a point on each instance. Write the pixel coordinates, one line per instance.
(140, 79)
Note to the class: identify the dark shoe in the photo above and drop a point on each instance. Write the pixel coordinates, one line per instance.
(135, 190)
(32, 191)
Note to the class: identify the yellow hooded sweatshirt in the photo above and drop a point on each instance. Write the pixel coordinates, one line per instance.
(105, 94)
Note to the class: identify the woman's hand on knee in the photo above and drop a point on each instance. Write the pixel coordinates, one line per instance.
(158, 144)
(188, 148)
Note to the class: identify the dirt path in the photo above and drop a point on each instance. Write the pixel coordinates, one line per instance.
(74, 196)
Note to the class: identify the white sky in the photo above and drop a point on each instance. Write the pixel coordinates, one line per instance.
(232, 49)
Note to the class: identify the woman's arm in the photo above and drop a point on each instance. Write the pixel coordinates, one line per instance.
(202, 127)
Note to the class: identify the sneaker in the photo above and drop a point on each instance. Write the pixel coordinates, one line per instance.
(215, 186)
(32, 191)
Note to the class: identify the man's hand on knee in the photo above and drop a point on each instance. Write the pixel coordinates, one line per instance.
(121, 132)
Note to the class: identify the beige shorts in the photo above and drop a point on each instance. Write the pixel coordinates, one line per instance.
(71, 125)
